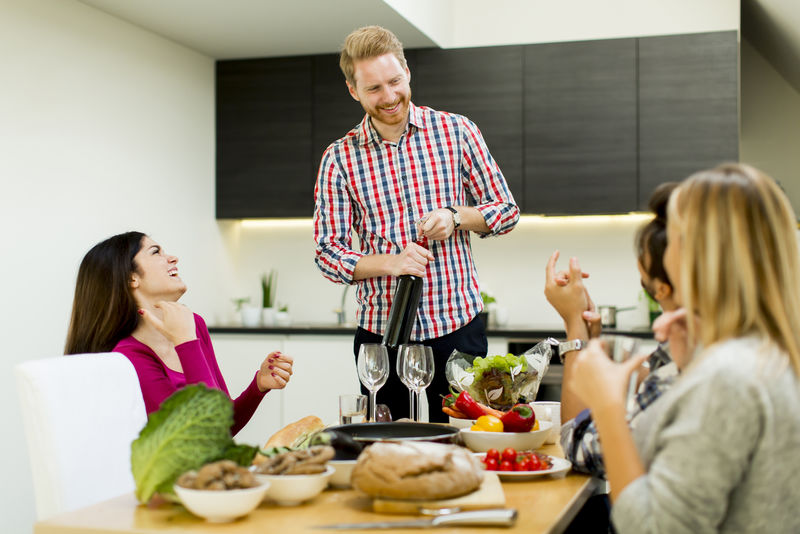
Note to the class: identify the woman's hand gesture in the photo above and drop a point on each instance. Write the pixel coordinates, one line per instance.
(176, 321)
(275, 371)
(599, 382)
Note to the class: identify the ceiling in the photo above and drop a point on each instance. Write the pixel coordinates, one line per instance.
(227, 29)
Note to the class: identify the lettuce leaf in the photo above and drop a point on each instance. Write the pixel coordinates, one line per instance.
(190, 429)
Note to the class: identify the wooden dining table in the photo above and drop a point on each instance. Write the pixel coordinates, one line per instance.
(544, 504)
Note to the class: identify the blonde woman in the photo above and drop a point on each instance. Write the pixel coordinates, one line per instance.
(720, 451)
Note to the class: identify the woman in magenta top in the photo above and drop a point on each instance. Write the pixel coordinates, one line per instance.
(126, 300)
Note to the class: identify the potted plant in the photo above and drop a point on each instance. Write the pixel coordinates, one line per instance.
(250, 315)
(268, 287)
(488, 300)
(282, 316)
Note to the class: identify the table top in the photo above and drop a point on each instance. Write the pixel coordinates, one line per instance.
(544, 505)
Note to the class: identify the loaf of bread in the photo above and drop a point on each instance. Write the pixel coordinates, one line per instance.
(416, 470)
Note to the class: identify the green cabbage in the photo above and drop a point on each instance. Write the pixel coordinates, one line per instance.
(191, 428)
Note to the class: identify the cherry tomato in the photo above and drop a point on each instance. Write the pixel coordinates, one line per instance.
(506, 465)
(491, 464)
(535, 463)
(509, 455)
(524, 464)
(493, 454)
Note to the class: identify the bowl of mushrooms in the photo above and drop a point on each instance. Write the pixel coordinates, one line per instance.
(220, 491)
(296, 476)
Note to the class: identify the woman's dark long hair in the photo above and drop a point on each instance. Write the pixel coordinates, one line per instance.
(651, 239)
(104, 310)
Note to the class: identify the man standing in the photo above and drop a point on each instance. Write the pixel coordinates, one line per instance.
(405, 172)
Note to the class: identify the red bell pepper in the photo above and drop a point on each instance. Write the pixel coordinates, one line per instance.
(520, 418)
(466, 404)
(448, 400)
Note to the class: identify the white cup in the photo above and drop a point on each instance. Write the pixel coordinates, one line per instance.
(549, 411)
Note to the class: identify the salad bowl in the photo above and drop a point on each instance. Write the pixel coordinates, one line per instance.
(482, 441)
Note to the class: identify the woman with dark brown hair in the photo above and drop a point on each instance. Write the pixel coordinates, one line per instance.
(126, 300)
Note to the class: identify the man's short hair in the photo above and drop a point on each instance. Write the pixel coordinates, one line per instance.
(368, 42)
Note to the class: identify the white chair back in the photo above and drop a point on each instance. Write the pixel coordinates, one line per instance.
(80, 413)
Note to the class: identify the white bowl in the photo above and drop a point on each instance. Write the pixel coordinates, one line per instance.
(291, 490)
(482, 441)
(461, 423)
(221, 506)
(342, 471)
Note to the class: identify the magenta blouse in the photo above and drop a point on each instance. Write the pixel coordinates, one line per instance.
(199, 365)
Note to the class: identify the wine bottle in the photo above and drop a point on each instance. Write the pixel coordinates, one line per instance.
(403, 313)
(404, 310)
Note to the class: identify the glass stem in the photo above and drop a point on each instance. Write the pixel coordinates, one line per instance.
(411, 412)
(419, 407)
(372, 408)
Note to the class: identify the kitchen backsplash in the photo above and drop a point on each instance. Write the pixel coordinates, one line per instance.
(510, 267)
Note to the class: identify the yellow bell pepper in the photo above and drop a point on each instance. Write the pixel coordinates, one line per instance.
(535, 426)
(488, 423)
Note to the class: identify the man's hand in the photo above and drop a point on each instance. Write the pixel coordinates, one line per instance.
(437, 225)
(412, 260)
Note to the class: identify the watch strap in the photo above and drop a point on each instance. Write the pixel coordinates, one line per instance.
(456, 216)
(569, 346)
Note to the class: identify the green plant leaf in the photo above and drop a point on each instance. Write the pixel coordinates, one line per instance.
(190, 429)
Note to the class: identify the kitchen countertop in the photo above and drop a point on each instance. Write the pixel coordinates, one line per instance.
(511, 332)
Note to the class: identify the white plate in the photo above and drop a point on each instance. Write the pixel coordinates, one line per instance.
(560, 468)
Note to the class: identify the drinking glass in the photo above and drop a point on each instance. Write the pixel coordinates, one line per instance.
(352, 409)
(415, 369)
(373, 370)
(620, 349)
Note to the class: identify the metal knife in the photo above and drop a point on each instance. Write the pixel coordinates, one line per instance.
(478, 518)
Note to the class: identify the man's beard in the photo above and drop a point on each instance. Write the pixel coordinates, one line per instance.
(397, 118)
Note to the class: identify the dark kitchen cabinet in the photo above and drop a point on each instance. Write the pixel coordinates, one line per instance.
(688, 106)
(580, 127)
(485, 85)
(577, 128)
(264, 166)
(335, 111)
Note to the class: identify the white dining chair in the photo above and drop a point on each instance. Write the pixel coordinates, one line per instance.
(80, 413)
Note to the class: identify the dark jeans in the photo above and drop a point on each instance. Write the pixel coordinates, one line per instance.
(470, 338)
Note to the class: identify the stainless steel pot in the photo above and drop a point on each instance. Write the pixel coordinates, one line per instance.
(608, 314)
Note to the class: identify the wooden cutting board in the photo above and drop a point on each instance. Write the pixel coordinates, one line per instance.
(488, 495)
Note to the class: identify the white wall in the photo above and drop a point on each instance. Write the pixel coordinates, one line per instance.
(770, 122)
(541, 21)
(104, 128)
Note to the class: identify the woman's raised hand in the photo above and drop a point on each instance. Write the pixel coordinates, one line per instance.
(275, 371)
(599, 382)
(672, 326)
(176, 321)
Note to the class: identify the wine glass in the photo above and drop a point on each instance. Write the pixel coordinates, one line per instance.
(373, 370)
(405, 372)
(415, 369)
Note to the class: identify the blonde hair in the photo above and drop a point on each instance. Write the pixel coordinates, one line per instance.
(739, 263)
(365, 43)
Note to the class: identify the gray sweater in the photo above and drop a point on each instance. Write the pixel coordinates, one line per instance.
(721, 448)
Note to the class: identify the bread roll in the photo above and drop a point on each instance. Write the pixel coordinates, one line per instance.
(416, 470)
(293, 433)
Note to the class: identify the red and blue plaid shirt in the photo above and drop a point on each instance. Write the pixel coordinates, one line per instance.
(380, 189)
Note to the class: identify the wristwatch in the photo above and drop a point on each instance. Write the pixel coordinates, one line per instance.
(456, 216)
(569, 346)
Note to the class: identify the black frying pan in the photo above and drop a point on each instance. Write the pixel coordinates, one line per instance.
(372, 432)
